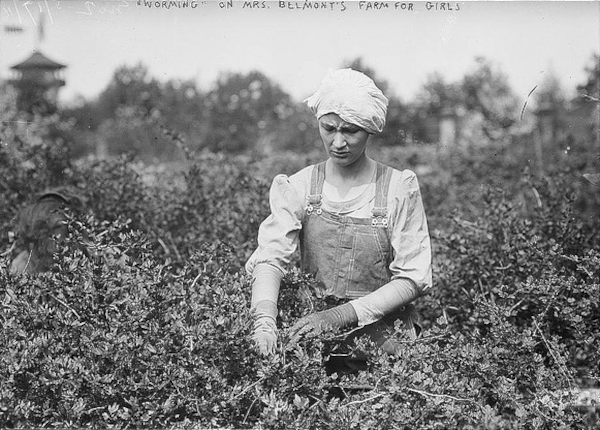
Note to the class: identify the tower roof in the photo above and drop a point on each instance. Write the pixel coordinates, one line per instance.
(37, 60)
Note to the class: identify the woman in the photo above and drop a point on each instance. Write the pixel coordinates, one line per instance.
(360, 226)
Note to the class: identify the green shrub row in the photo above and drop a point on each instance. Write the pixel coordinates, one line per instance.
(115, 338)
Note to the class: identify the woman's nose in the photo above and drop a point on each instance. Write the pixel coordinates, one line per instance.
(338, 140)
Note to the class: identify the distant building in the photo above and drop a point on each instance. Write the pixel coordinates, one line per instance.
(448, 126)
(37, 80)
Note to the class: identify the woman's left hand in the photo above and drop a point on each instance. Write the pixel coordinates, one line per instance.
(319, 322)
(311, 324)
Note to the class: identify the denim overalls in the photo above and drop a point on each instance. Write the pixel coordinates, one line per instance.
(349, 256)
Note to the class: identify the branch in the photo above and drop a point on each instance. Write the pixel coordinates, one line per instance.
(28, 261)
(4, 254)
(550, 350)
(240, 394)
(423, 393)
(196, 279)
(356, 402)
(89, 411)
(445, 396)
(66, 306)
(249, 409)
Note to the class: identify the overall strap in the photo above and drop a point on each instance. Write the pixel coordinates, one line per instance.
(316, 189)
(382, 185)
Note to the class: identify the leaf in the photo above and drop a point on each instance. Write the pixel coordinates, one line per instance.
(300, 402)
(113, 408)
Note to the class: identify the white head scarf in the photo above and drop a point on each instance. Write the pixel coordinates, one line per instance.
(353, 96)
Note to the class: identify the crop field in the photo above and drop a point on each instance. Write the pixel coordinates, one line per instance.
(143, 319)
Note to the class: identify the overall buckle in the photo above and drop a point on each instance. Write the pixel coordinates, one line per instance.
(379, 217)
(379, 222)
(314, 204)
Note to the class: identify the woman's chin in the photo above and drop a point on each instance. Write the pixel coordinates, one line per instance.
(343, 160)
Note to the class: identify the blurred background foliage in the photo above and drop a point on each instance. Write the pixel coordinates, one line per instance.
(250, 113)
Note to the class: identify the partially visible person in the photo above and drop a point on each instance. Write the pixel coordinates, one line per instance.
(39, 226)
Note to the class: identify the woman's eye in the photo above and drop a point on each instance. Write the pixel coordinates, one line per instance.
(328, 128)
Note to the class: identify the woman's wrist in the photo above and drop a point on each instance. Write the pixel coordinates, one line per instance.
(265, 309)
(390, 297)
(340, 317)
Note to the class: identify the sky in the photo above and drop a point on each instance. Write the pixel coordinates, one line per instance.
(405, 42)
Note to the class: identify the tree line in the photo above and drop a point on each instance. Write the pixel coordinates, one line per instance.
(250, 112)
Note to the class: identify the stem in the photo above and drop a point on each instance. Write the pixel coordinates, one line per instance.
(560, 363)
(66, 306)
(249, 409)
(196, 280)
(356, 402)
(248, 387)
(9, 250)
(445, 396)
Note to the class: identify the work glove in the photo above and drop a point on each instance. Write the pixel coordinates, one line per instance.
(265, 327)
(316, 323)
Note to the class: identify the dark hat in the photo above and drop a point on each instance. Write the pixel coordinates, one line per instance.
(65, 194)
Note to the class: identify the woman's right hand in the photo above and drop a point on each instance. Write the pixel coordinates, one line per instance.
(265, 327)
(265, 336)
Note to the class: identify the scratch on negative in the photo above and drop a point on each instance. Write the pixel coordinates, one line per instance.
(525, 104)
(16, 122)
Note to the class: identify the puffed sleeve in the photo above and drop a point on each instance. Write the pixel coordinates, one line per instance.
(278, 235)
(409, 233)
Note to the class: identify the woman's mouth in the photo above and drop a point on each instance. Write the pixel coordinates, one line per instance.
(339, 154)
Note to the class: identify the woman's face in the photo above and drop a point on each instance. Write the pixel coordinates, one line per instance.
(344, 142)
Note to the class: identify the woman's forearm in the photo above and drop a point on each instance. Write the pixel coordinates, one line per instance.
(265, 283)
(388, 298)
(265, 291)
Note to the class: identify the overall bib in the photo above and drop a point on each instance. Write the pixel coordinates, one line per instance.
(350, 257)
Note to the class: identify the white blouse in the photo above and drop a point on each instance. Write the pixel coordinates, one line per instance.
(278, 235)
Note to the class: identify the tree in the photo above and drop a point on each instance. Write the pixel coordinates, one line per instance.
(243, 109)
(437, 94)
(550, 89)
(434, 97)
(129, 86)
(182, 110)
(135, 112)
(586, 107)
(551, 103)
(483, 102)
(486, 91)
(592, 85)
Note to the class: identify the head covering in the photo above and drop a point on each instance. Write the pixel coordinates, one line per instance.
(64, 194)
(353, 96)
